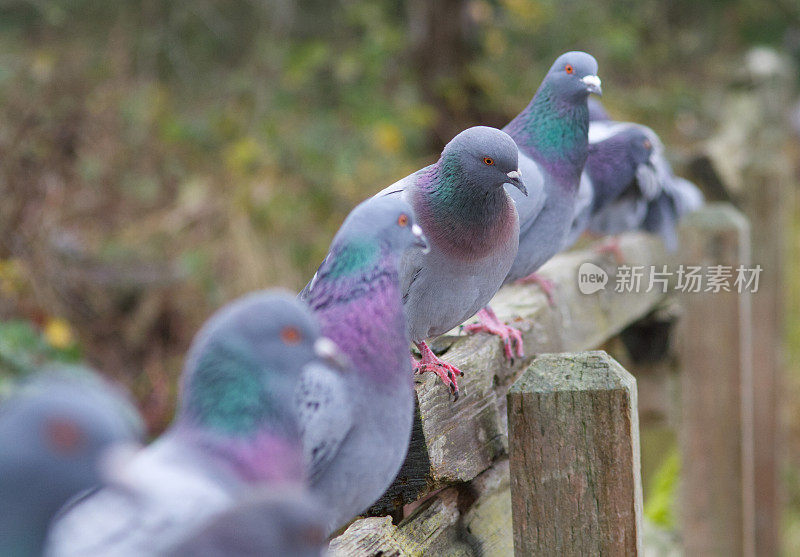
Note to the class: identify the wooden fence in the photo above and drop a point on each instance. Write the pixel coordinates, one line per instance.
(568, 420)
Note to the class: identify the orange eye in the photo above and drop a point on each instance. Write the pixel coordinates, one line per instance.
(569, 69)
(64, 436)
(488, 161)
(402, 220)
(291, 335)
(647, 144)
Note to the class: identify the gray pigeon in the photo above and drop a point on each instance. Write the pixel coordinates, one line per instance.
(357, 424)
(552, 137)
(58, 430)
(472, 227)
(235, 431)
(617, 184)
(632, 185)
(274, 522)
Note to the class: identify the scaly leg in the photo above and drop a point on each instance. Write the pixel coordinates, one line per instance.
(547, 285)
(612, 246)
(490, 323)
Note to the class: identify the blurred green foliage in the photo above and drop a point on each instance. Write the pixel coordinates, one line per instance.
(660, 505)
(22, 348)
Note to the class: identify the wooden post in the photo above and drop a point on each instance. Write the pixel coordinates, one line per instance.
(716, 384)
(574, 457)
(758, 177)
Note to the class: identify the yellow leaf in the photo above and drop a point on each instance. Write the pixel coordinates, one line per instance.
(388, 138)
(58, 333)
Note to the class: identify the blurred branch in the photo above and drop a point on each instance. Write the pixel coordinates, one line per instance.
(788, 11)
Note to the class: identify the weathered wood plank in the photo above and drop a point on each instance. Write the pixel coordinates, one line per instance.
(487, 523)
(574, 457)
(716, 428)
(431, 530)
(457, 441)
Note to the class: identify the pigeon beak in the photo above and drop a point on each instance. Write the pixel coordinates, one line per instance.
(327, 351)
(421, 241)
(592, 83)
(515, 179)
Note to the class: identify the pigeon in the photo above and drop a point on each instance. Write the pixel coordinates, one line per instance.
(235, 431)
(473, 229)
(618, 182)
(552, 136)
(58, 431)
(271, 522)
(631, 183)
(356, 424)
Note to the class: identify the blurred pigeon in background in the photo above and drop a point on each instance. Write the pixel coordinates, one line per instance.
(58, 431)
(618, 183)
(632, 183)
(357, 423)
(273, 522)
(235, 431)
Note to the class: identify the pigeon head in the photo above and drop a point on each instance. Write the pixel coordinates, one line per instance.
(243, 365)
(624, 151)
(553, 128)
(377, 222)
(639, 145)
(487, 157)
(57, 432)
(573, 76)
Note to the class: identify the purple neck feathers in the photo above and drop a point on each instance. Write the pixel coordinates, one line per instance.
(465, 220)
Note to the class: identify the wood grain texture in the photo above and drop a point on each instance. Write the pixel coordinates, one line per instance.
(433, 529)
(574, 457)
(454, 442)
(487, 522)
(716, 430)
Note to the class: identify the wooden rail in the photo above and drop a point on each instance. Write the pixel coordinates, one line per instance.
(454, 493)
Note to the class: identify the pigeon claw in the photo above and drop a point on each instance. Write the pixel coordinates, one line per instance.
(613, 247)
(432, 363)
(511, 336)
(547, 286)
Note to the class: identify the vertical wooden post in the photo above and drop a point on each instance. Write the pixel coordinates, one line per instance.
(574, 457)
(716, 384)
(767, 176)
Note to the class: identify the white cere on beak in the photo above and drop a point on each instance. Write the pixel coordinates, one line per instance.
(325, 348)
(515, 174)
(417, 232)
(592, 81)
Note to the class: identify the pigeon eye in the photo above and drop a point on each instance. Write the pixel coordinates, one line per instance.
(64, 436)
(488, 161)
(402, 220)
(647, 144)
(291, 335)
(569, 69)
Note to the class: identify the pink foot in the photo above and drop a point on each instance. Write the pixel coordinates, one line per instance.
(490, 323)
(547, 286)
(612, 246)
(431, 362)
